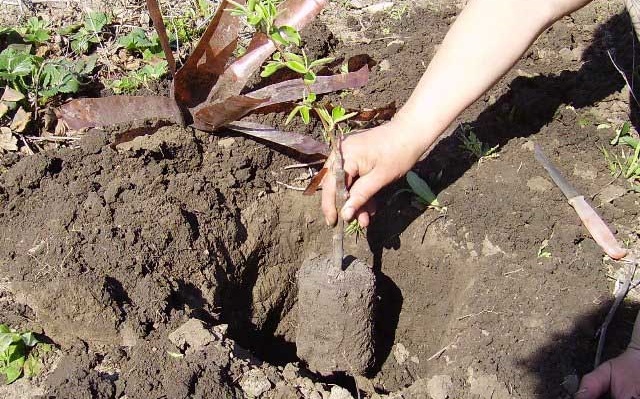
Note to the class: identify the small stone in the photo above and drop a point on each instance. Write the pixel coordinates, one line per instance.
(254, 383)
(584, 171)
(290, 372)
(539, 184)
(610, 193)
(378, 7)
(415, 359)
(339, 393)
(400, 353)
(529, 146)
(384, 65)
(489, 248)
(440, 386)
(226, 142)
(192, 336)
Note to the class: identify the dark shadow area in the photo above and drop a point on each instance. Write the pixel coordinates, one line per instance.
(533, 102)
(573, 351)
(188, 298)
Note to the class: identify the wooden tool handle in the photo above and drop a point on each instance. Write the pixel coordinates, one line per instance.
(597, 228)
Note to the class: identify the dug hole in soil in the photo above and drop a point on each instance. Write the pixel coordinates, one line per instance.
(166, 267)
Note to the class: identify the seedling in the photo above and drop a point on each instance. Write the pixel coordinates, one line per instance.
(15, 354)
(474, 147)
(27, 73)
(142, 77)
(627, 164)
(137, 41)
(90, 33)
(354, 229)
(36, 31)
(542, 250)
(423, 195)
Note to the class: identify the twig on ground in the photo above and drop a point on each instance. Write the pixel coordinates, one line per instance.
(439, 353)
(621, 292)
(303, 165)
(54, 139)
(624, 76)
(26, 144)
(290, 187)
(513, 271)
(477, 314)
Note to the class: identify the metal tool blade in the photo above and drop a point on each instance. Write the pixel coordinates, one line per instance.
(556, 175)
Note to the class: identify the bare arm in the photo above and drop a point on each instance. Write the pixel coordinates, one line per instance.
(485, 41)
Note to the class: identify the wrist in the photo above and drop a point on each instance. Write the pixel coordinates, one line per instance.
(415, 131)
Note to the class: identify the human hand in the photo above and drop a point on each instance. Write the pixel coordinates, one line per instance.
(372, 159)
(619, 376)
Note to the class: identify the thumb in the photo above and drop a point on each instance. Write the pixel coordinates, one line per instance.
(596, 383)
(360, 193)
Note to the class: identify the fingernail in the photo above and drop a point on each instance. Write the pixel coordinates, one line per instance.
(347, 212)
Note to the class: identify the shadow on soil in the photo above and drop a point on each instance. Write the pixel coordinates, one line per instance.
(573, 351)
(533, 102)
(528, 105)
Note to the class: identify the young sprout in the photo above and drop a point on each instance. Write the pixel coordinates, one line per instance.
(476, 148)
(354, 229)
(542, 250)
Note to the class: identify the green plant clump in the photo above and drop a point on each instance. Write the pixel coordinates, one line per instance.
(15, 356)
(44, 79)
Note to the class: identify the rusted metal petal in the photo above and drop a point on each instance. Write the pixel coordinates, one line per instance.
(194, 80)
(158, 23)
(300, 143)
(213, 115)
(95, 112)
(292, 90)
(295, 13)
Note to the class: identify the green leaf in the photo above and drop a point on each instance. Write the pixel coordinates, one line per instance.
(293, 57)
(289, 34)
(337, 113)
(95, 21)
(69, 29)
(270, 69)
(136, 40)
(32, 366)
(7, 340)
(296, 66)
(304, 113)
(345, 117)
(311, 97)
(630, 141)
(278, 38)
(13, 370)
(320, 62)
(29, 339)
(293, 114)
(422, 189)
(621, 132)
(4, 328)
(309, 78)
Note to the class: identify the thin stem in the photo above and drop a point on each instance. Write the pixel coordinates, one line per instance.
(341, 197)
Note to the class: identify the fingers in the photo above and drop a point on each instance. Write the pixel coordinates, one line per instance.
(362, 190)
(329, 198)
(596, 383)
(365, 213)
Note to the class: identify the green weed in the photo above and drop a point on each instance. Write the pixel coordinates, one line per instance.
(471, 144)
(542, 250)
(84, 36)
(354, 229)
(16, 358)
(36, 31)
(142, 77)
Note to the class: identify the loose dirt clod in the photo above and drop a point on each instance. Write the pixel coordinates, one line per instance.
(335, 316)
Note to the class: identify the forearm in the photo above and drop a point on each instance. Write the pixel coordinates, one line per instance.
(635, 337)
(486, 40)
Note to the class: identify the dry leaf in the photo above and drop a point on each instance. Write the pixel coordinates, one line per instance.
(20, 120)
(8, 142)
(3, 109)
(11, 95)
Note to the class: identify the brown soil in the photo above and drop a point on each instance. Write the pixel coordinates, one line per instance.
(106, 251)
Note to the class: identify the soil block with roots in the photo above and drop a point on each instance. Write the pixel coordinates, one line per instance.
(335, 320)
